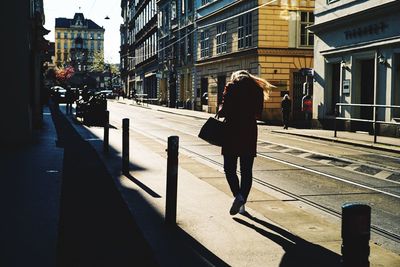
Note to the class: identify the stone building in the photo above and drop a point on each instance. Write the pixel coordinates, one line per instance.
(176, 55)
(23, 74)
(357, 62)
(77, 41)
(267, 38)
(142, 42)
(127, 74)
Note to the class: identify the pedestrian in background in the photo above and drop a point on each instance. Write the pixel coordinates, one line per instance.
(286, 106)
(69, 98)
(242, 105)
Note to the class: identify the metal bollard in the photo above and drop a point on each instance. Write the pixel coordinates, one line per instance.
(106, 132)
(172, 180)
(125, 146)
(356, 228)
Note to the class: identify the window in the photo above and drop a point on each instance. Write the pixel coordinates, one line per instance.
(221, 38)
(245, 31)
(65, 35)
(173, 10)
(92, 35)
(58, 35)
(99, 36)
(204, 44)
(72, 35)
(205, 2)
(306, 37)
(189, 5)
(58, 45)
(65, 45)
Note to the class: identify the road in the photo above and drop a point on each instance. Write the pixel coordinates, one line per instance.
(319, 174)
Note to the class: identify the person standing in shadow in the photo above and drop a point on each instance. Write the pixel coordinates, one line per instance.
(69, 98)
(286, 106)
(242, 105)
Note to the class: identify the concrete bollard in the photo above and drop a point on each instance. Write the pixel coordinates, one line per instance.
(172, 180)
(356, 233)
(106, 132)
(125, 146)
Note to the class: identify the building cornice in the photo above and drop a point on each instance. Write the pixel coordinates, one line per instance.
(357, 16)
(285, 52)
(281, 52)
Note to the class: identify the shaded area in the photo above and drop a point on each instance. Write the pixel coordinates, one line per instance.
(96, 227)
(83, 237)
(299, 252)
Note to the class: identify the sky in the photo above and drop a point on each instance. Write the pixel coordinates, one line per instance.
(95, 10)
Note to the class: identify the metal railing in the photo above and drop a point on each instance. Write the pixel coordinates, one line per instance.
(374, 121)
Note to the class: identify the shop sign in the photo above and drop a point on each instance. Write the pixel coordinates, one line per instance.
(346, 87)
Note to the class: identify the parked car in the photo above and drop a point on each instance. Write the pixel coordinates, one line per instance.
(108, 94)
(58, 93)
(92, 111)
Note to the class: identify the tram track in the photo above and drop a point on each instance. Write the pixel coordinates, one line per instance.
(374, 228)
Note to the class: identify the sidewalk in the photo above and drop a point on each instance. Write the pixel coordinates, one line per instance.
(30, 193)
(95, 228)
(274, 232)
(353, 138)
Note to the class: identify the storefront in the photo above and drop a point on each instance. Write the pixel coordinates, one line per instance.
(357, 61)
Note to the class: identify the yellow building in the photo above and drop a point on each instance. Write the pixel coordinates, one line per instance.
(77, 41)
(267, 38)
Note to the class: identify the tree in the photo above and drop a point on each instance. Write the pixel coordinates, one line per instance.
(97, 63)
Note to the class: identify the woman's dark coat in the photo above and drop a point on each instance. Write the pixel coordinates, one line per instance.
(242, 104)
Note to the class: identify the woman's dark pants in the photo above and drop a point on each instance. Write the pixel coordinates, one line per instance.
(246, 171)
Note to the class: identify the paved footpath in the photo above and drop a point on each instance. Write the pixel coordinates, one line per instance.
(274, 232)
(96, 227)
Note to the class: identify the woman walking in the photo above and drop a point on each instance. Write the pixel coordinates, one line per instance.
(242, 105)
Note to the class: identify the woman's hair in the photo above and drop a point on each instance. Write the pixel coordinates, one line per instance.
(286, 96)
(263, 84)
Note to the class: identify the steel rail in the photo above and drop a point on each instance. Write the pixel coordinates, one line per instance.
(374, 228)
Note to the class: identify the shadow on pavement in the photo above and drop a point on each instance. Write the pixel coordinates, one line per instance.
(299, 252)
(96, 226)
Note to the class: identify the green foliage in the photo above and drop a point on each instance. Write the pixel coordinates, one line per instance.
(98, 62)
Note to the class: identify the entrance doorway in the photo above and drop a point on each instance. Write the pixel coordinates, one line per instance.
(204, 91)
(335, 86)
(367, 92)
(298, 81)
(221, 86)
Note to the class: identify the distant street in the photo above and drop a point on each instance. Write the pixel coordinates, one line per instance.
(312, 173)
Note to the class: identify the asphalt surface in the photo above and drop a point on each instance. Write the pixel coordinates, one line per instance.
(96, 227)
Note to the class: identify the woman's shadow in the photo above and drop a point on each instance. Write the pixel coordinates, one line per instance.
(299, 252)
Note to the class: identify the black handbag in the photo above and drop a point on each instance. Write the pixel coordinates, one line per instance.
(213, 131)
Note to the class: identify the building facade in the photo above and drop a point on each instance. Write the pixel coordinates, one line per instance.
(269, 39)
(77, 42)
(124, 48)
(176, 55)
(357, 61)
(142, 42)
(24, 95)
